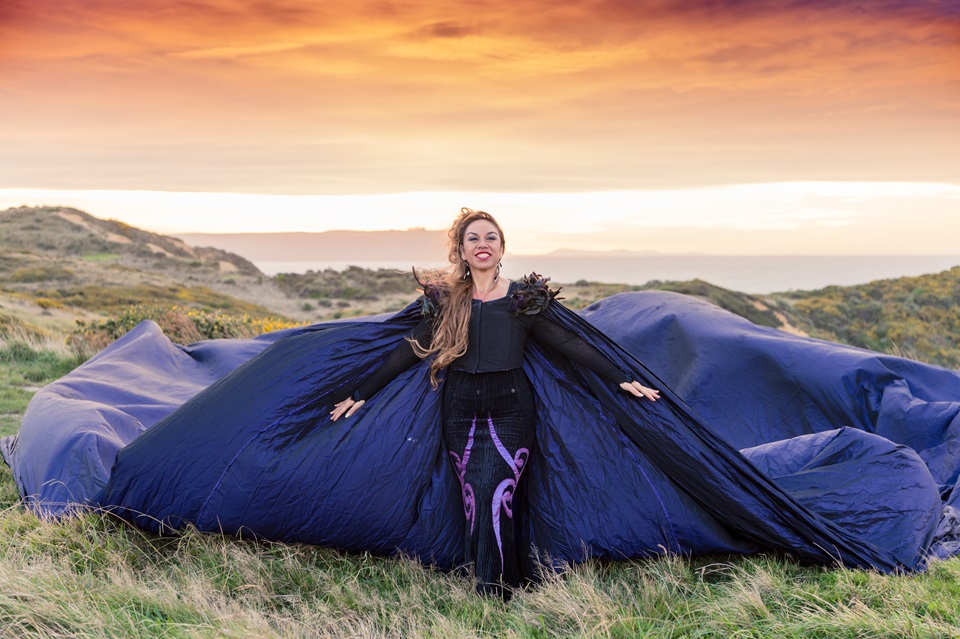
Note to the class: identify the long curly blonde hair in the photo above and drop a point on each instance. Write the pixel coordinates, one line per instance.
(452, 323)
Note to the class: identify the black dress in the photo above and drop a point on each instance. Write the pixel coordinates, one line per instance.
(488, 420)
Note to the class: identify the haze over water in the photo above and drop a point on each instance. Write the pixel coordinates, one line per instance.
(748, 274)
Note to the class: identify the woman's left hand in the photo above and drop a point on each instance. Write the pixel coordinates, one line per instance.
(347, 406)
(639, 390)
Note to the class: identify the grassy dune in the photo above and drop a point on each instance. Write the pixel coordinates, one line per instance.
(93, 576)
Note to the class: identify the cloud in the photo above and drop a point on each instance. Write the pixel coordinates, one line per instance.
(737, 9)
(448, 29)
(513, 96)
(792, 220)
(239, 51)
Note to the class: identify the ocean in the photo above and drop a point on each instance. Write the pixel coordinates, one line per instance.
(748, 274)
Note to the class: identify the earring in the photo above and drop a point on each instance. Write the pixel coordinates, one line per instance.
(496, 276)
(466, 270)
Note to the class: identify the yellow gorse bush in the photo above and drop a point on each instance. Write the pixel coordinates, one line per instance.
(182, 325)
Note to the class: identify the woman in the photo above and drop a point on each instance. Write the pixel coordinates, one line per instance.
(475, 326)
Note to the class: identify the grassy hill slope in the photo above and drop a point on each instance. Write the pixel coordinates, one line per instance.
(64, 258)
(916, 317)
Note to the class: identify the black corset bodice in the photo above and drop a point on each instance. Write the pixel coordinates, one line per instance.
(496, 338)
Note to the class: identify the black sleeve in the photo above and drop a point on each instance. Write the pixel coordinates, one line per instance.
(400, 359)
(577, 349)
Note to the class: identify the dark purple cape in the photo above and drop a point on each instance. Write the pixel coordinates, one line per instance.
(847, 455)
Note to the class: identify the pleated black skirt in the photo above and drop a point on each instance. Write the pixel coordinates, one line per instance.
(488, 429)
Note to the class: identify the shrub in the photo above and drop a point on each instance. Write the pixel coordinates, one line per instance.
(31, 274)
(353, 283)
(181, 325)
(46, 303)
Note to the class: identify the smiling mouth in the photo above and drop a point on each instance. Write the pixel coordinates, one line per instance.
(483, 255)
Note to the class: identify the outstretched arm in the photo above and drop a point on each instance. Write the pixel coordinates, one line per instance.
(582, 352)
(400, 359)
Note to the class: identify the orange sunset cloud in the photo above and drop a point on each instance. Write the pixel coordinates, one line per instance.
(310, 97)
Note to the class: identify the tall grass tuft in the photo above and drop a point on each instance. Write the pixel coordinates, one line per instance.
(93, 576)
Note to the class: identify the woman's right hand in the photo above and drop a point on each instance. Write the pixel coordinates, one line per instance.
(637, 389)
(347, 406)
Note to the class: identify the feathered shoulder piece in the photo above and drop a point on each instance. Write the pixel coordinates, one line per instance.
(433, 297)
(532, 295)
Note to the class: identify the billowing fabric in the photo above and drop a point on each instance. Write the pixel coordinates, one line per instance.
(848, 453)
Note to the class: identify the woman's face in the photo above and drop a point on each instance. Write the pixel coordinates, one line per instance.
(481, 246)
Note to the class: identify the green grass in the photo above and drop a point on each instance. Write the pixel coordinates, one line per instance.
(92, 576)
(23, 368)
(101, 257)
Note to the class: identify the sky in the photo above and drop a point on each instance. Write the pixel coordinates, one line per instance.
(718, 126)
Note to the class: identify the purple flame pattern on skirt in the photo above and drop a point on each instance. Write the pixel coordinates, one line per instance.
(466, 490)
(503, 495)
